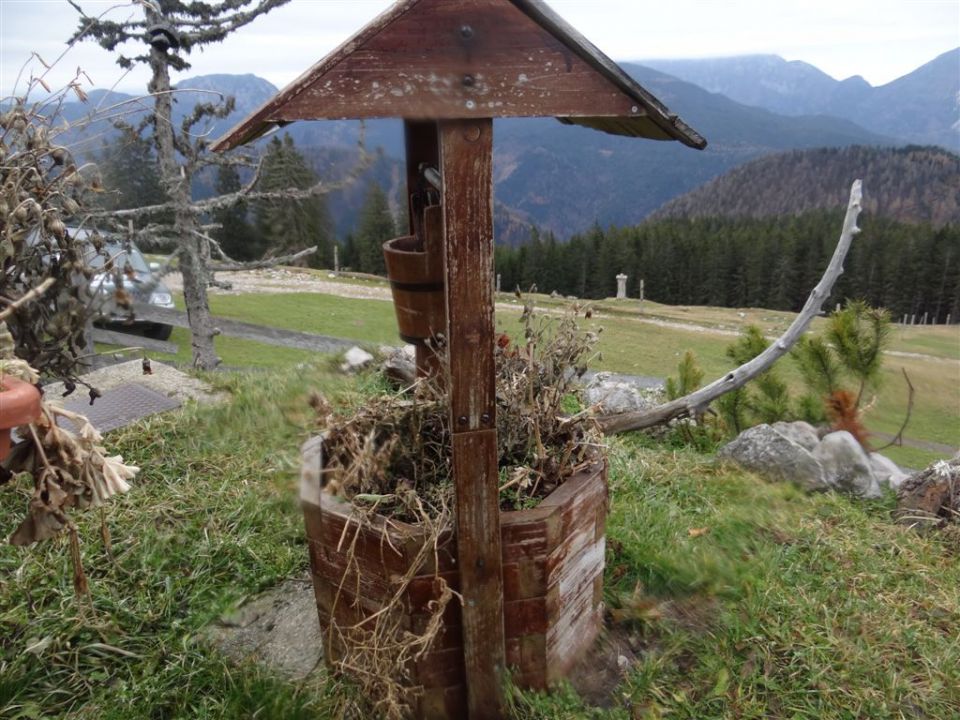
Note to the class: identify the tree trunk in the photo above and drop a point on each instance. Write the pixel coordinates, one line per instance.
(193, 250)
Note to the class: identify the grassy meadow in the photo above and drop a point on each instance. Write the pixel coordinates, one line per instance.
(647, 341)
(736, 598)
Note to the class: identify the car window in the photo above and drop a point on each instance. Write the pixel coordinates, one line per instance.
(120, 258)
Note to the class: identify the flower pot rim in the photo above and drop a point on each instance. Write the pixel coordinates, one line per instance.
(549, 505)
(20, 402)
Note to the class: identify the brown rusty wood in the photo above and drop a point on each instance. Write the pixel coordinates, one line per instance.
(466, 155)
(423, 148)
(481, 583)
(428, 66)
(446, 59)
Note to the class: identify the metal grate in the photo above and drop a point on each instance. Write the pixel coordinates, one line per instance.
(121, 406)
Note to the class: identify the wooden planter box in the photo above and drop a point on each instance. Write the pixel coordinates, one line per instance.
(553, 558)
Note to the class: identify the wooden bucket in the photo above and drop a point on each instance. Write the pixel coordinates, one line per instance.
(416, 280)
(552, 559)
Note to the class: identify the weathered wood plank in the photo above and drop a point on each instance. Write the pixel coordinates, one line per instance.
(481, 583)
(422, 143)
(249, 331)
(466, 158)
(450, 59)
(123, 339)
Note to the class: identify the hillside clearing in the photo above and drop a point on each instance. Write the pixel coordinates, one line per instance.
(737, 598)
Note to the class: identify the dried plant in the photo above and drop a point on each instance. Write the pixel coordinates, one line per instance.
(45, 300)
(391, 457)
(68, 469)
(42, 191)
(399, 442)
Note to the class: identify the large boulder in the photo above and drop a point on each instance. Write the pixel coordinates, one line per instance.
(802, 433)
(846, 466)
(931, 497)
(888, 473)
(771, 454)
(618, 396)
(400, 365)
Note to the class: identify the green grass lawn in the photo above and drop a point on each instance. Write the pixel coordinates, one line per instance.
(786, 606)
(629, 346)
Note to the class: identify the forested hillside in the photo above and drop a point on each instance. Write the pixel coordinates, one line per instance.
(772, 263)
(912, 185)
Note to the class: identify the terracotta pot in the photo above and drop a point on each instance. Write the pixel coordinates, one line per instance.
(553, 557)
(19, 405)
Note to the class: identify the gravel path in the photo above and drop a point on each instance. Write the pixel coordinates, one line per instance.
(282, 280)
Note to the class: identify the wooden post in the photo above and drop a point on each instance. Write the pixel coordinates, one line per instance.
(336, 259)
(466, 156)
(422, 148)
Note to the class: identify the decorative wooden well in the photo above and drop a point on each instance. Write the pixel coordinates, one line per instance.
(448, 68)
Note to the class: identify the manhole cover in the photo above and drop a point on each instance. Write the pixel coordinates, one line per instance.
(120, 406)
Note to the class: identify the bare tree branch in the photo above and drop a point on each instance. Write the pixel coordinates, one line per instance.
(898, 438)
(265, 263)
(697, 402)
(30, 295)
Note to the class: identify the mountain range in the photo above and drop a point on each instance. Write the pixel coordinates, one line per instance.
(922, 106)
(565, 179)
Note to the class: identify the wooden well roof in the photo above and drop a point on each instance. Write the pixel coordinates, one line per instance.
(445, 59)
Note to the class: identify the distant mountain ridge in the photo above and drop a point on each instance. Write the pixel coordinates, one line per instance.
(560, 178)
(911, 185)
(923, 106)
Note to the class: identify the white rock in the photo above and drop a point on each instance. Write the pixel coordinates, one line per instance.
(846, 466)
(355, 359)
(400, 367)
(887, 472)
(802, 433)
(774, 456)
(616, 397)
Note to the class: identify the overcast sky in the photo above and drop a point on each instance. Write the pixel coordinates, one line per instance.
(878, 39)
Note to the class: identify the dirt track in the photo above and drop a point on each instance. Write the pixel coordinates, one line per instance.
(281, 280)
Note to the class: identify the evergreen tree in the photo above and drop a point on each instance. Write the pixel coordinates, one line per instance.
(349, 258)
(286, 224)
(236, 237)
(128, 169)
(375, 228)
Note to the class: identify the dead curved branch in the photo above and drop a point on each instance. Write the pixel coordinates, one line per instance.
(697, 402)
